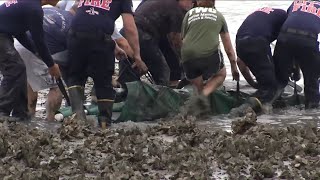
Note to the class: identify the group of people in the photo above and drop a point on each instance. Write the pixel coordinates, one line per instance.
(297, 33)
(173, 39)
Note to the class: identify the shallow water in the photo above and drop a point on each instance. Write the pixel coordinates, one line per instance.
(235, 12)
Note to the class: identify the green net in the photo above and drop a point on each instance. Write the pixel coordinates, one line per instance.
(145, 102)
(223, 101)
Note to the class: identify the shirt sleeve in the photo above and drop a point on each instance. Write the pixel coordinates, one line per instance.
(127, 6)
(224, 28)
(35, 21)
(184, 25)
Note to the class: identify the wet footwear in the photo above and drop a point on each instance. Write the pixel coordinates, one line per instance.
(311, 105)
(251, 103)
(105, 113)
(76, 98)
(197, 106)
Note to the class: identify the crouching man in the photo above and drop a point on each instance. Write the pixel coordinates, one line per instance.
(56, 24)
(16, 18)
(298, 42)
(253, 40)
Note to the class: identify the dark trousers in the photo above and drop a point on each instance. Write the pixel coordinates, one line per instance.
(152, 55)
(255, 52)
(172, 59)
(304, 51)
(94, 57)
(13, 89)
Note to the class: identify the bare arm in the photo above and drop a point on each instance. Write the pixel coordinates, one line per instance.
(131, 31)
(123, 44)
(245, 71)
(226, 41)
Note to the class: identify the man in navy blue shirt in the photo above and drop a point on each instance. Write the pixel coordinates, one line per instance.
(298, 43)
(16, 18)
(253, 40)
(56, 24)
(91, 47)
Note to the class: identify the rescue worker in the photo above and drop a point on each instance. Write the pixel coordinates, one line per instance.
(298, 42)
(155, 20)
(200, 50)
(91, 47)
(172, 58)
(123, 51)
(56, 24)
(253, 41)
(16, 18)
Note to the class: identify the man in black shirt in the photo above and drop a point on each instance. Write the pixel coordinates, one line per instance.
(91, 48)
(16, 18)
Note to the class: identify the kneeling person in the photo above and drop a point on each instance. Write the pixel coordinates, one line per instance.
(253, 40)
(200, 49)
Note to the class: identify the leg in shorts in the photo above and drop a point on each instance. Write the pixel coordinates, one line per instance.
(205, 67)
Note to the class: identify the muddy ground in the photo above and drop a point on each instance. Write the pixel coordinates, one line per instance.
(176, 148)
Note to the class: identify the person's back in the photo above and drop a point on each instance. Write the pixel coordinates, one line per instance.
(95, 17)
(298, 43)
(200, 32)
(14, 20)
(159, 17)
(56, 24)
(265, 22)
(305, 16)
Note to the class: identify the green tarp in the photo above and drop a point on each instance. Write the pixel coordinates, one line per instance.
(147, 102)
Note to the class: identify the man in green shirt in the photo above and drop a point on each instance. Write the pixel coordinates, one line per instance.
(200, 51)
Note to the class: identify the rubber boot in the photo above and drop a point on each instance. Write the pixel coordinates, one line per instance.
(76, 98)
(311, 104)
(240, 111)
(105, 113)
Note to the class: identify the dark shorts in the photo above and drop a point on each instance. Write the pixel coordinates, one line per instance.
(205, 67)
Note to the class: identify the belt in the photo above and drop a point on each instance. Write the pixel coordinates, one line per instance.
(98, 36)
(252, 37)
(300, 32)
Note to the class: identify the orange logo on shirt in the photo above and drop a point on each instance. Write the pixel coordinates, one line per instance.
(103, 4)
(9, 2)
(266, 10)
(306, 6)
